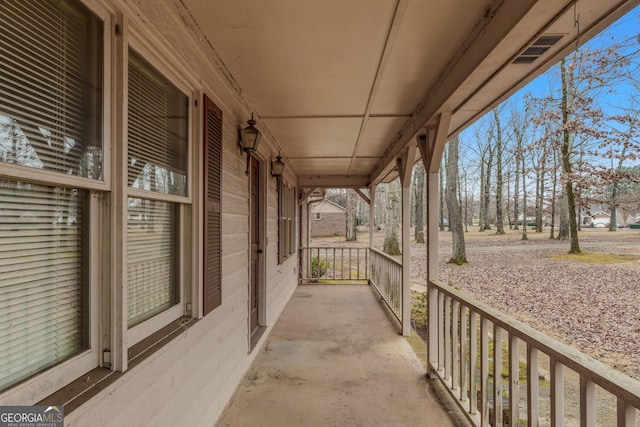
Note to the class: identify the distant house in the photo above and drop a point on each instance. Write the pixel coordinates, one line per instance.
(602, 219)
(633, 218)
(327, 219)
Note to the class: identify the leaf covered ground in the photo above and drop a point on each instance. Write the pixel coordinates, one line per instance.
(590, 301)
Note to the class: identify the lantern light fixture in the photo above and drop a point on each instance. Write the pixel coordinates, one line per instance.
(249, 137)
(277, 167)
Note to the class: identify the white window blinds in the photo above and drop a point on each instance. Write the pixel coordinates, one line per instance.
(43, 288)
(157, 162)
(51, 87)
(151, 258)
(158, 124)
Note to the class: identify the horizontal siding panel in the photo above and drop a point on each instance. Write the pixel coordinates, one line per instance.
(234, 224)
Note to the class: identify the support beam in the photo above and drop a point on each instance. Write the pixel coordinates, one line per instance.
(356, 181)
(364, 196)
(305, 193)
(501, 17)
(405, 167)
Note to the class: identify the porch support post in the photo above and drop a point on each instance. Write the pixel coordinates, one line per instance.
(431, 146)
(372, 216)
(405, 167)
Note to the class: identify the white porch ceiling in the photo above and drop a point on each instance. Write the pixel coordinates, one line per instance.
(344, 86)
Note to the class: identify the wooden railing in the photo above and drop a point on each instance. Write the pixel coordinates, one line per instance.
(333, 264)
(386, 279)
(469, 345)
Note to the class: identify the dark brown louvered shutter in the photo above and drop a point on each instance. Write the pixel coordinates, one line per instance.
(212, 292)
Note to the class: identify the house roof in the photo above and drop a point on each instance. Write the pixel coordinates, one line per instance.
(327, 206)
(343, 87)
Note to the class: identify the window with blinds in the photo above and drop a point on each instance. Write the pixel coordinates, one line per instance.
(43, 285)
(157, 162)
(158, 127)
(51, 87)
(287, 224)
(51, 96)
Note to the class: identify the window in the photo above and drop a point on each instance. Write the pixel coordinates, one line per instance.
(318, 215)
(50, 134)
(157, 166)
(287, 224)
(51, 85)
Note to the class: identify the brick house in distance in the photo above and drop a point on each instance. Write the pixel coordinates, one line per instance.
(327, 219)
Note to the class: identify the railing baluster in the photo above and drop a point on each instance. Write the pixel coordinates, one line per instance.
(447, 338)
(557, 393)
(626, 414)
(464, 362)
(441, 345)
(432, 313)
(334, 263)
(473, 357)
(497, 375)
(514, 380)
(484, 371)
(587, 402)
(533, 387)
(455, 359)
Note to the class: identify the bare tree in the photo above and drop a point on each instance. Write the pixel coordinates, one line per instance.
(350, 232)
(419, 177)
(499, 178)
(391, 244)
(458, 254)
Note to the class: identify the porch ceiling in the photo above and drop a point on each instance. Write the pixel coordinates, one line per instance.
(344, 86)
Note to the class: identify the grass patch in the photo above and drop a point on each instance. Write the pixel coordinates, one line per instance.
(594, 258)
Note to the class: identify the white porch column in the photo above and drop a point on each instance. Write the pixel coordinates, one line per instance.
(431, 147)
(372, 216)
(405, 168)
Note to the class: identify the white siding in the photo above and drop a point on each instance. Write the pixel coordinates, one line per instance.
(189, 381)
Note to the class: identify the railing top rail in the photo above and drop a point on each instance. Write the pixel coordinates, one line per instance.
(387, 256)
(605, 376)
(333, 247)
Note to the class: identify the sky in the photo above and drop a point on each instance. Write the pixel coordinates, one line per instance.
(625, 28)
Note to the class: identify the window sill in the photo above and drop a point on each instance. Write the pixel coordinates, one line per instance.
(73, 395)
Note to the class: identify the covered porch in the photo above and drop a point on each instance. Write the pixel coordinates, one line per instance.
(334, 358)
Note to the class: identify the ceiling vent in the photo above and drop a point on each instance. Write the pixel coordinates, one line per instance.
(537, 48)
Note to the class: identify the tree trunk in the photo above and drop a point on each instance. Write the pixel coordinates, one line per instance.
(553, 195)
(524, 200)
(499, 178)
(458, 254)
(566, 163)
(563, 231)
(419, 177)
(441, 176)
(613, 220)
(350, 234)
(391, 243)
(542, 169)
(481, 204)
(487, 191)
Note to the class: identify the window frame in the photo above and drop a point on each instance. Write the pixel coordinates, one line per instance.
(45, 382)
(163, 63)
(287, 224)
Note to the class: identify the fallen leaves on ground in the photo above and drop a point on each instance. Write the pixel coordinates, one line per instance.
(592, 306)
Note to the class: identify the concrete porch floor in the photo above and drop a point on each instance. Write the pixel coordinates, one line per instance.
(335, 359)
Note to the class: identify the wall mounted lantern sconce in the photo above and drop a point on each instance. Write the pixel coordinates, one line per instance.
(277, 167)
(249, 139)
